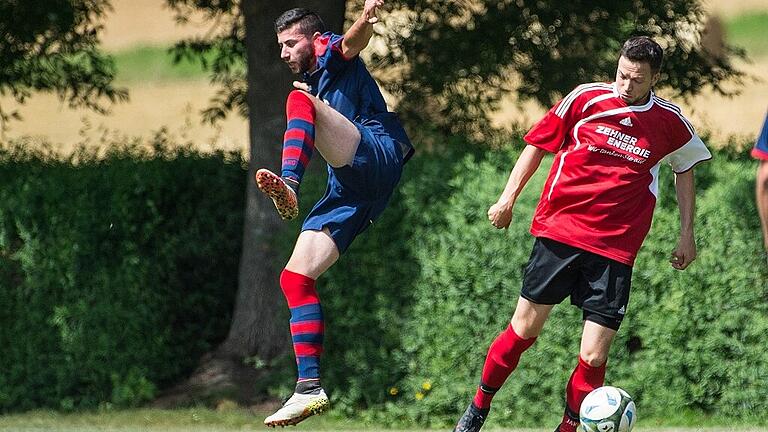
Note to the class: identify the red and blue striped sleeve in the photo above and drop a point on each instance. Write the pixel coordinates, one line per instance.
(329, 53)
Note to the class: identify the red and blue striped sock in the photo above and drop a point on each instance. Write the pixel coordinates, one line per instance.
(299, 138)
(306, 322)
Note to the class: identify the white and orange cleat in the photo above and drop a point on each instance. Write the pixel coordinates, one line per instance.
(299, 407)
(282, 195)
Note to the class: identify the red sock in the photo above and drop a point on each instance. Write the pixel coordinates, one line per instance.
(584, 379)
(299, 138)
(502, 359)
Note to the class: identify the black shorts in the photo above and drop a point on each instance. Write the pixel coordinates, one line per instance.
(599, 286)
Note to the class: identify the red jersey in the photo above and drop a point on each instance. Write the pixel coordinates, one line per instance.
(603, 184)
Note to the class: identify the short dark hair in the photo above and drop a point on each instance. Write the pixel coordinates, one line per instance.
(308, 21)
(643, 49)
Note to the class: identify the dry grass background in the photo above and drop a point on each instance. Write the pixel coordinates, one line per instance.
(176, 105)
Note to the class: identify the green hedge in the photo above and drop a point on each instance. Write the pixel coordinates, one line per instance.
(116, 273)
(414, 304)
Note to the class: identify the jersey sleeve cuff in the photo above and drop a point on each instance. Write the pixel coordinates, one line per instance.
(547, 147)
(692, 166)
(759, 154)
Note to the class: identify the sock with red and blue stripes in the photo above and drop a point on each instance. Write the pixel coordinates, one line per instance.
(306, 328)
(299, 138)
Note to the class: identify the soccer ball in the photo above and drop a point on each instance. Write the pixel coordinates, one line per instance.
(607, 409)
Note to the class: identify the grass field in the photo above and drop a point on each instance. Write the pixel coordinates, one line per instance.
(149, 63)
(205, 420)
(748, 31)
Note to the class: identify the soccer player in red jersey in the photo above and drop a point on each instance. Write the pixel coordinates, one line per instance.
(609, 141)
(760, 152)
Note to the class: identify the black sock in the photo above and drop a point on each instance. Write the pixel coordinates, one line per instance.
(483, 411)
(308, 387)
(293, 184)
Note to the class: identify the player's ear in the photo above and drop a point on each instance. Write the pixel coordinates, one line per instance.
(655, 78)
(316, 35)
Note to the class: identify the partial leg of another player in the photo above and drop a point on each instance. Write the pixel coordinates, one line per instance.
(589, 373)
(503, 356)
(314, 253)
(311, 124)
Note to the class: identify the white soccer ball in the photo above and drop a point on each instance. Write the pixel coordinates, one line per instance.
(607, 409)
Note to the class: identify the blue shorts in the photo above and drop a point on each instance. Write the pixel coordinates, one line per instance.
(358, 193)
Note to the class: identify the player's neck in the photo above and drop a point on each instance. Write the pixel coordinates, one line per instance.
(644, 100)
(312, 67)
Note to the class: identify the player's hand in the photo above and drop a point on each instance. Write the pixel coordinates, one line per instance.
(685, 253)
(301, 86)
(500, 215)
(369, 10)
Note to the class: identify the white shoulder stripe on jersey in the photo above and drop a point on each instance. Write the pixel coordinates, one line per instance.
(597, 99)
(568, 100)
(566, 103)
(667, 103)
(673, 108)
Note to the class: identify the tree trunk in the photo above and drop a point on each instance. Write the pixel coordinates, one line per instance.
(257, 330)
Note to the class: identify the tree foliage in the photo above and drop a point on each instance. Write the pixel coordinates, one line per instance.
(461, 57)
(52, 45)
(449, 63)
(221, 51)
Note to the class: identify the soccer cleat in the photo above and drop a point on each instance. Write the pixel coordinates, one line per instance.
(282, 195)
(298, 408)
(472, 420)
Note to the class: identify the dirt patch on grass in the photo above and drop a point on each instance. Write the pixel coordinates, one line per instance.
(729, 8)
(174, 105)
(145, 22)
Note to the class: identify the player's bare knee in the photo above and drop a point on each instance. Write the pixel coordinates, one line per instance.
(594, 358)
(525, 327)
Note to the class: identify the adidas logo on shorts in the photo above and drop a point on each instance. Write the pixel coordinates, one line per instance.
(626, 122)
(622, 311)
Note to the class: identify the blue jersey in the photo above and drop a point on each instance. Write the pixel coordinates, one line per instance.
(761, 147)
(347, 86)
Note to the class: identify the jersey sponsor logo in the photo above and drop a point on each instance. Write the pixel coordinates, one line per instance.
(626, 122)
(614, 153)
(622, 141)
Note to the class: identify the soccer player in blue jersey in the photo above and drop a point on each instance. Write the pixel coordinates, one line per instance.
(338, 110)
(760, 152)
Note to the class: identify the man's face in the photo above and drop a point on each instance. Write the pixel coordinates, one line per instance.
(296, 49)
(634, 80)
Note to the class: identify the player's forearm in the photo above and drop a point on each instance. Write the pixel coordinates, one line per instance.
(526, 165)
(686, 201)
(357, 37)
(761, 190)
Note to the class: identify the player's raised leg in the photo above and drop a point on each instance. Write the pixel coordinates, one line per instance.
(502, 359)
(314, 253)
(589, 373)
(311, 124)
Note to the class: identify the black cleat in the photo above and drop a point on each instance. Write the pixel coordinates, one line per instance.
(472, 420)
